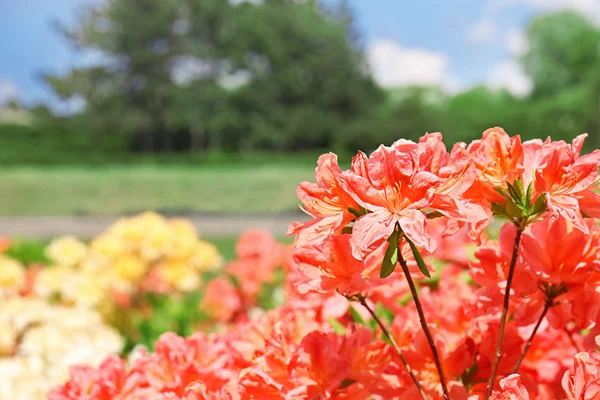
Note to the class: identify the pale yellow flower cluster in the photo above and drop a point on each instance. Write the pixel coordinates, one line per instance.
(39, 342)
(146, 249)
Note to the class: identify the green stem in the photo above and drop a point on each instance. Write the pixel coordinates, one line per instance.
(395, 346)
(511, 273)
(415, 295)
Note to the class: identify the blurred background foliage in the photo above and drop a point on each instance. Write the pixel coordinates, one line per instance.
(208, 77)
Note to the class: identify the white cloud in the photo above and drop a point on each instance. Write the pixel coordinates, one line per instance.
(8, 91)
(509, 75)
(483, 31)
(590, 8)
(394, 65)
(517, 42)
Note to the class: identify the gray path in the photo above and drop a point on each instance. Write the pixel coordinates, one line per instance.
(89, 226)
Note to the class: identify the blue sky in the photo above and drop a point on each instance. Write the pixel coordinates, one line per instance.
(452, 43)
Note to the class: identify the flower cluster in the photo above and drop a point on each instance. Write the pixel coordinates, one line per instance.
(39, 342)
(396, 290)
(259, 257)
(379, 213)
(145, 253)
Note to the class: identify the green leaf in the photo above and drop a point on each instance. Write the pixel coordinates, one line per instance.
(539, 206)
(514, 210)
(347, 229)
(434, 214)
(391, 255)
(355, 212)
(498, 210)
(418, 258)
(501, 191)
(515, 193)
(337, 326)
(528, 196)
(383, 313)
(520, 188)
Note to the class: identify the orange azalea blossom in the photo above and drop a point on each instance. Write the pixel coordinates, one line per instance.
(259, 255)
(221, 300)
(302, 296)
(511, 389)
(199, 391)
(329, 270)
(330, 266)
(491, 269)
(558, 253)
(105, 383)
(398, 183)
(326, 366)
(583, 382)
(550, 355)
(326, 201)
(569, 180)
(555, 170)
(498, 158)
(261, 247)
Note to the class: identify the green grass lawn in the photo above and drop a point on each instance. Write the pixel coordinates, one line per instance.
(236, 188)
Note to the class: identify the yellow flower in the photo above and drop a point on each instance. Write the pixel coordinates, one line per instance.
(206, 257)
(108, 245)
(67, 250)
(12, 275)
(183, 247)
(156, 244)
(179, 275)
(129, 268)
(50, 282)
(183, 227)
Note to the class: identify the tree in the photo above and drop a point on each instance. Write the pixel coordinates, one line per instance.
(306, 80)
(564, 64)
(178, 74)
(471, 112)
(151, 50)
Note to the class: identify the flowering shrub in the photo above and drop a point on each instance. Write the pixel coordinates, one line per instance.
(39, 342)
(49, 315)
(145, 253)
(395, 291)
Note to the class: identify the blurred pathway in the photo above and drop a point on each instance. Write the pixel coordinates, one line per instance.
(88, 226)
